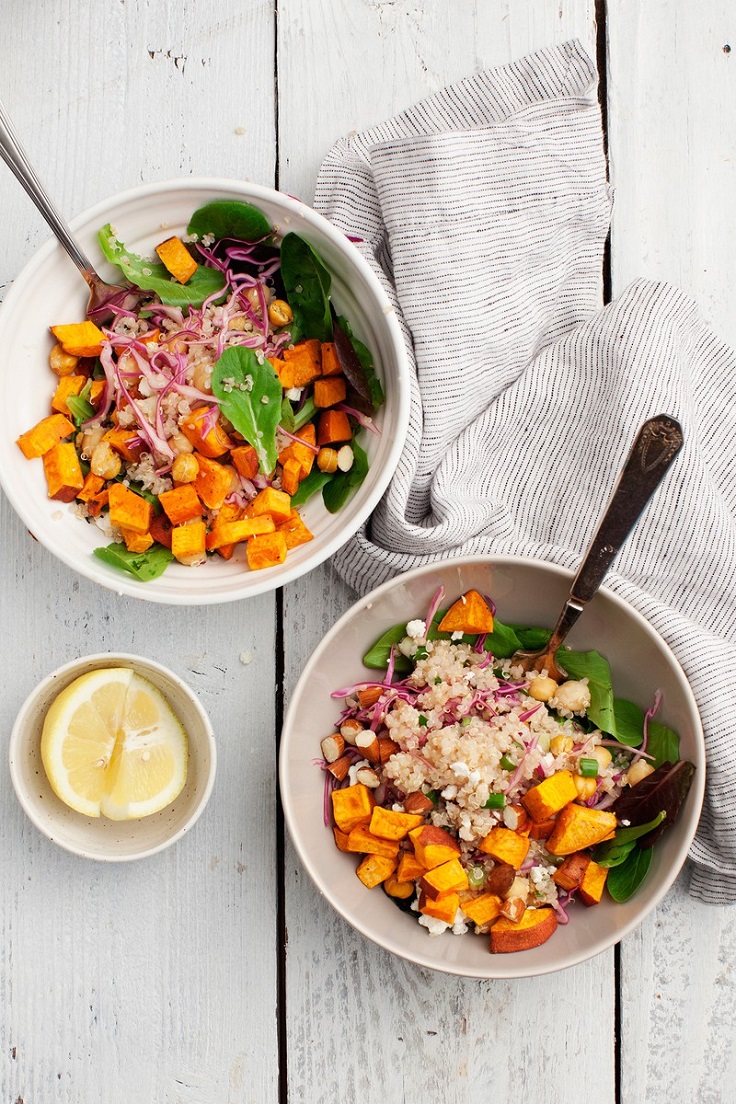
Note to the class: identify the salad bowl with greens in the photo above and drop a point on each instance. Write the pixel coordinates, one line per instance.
(230, 422)
(385, 671)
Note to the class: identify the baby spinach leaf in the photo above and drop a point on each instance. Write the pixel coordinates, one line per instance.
(335, 493)
(152, 276)
(663, 743)
(503, 637)
(531, 639)
(593, 666)
(229, 218)
(307, 286)
(378, 654)
(629, 722)
(666, 788)
(309, 486)
(304, 414)
(145, 566)
(362, 366)
(624, 880)
(614, 852)
(287, 416)
(503, 641)
(250, 398)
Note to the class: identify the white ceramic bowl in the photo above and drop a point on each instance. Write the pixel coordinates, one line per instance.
(527, 592)
(111, 840)
(49, 290)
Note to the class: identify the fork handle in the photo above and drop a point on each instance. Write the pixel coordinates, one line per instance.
(16, 159)
(656, 445)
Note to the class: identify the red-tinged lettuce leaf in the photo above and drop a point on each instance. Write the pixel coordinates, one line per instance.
(662, 791)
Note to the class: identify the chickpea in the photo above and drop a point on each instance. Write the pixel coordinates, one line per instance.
(202, 378)
(104, 462)
(573, 696)
(61, 363)
(185, 468)
(586, 787)
(327, 460)
(638, 770)
(88, 440)
(280, 313)
(602, 754)
(542, 689)
(560, 745)
(180, 443)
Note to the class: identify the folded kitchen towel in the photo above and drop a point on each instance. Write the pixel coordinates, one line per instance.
(484, 211)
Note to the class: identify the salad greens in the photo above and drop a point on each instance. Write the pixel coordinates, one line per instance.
(152, 276)
(229, 218)
(307, 283)
(250, 397)
(145, 566)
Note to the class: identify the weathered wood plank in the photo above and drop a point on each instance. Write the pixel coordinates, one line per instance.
(138, 982)
(361, 1024)
(672, 116)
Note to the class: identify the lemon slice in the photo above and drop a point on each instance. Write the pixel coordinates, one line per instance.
(111, 746)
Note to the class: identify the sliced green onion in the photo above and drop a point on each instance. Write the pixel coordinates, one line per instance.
(423, 720)
(507, 763)
(476, 876)
(421, 652)
(432, 795)
(465, 722)
(495, 801)
(437, 680)
(588, 768)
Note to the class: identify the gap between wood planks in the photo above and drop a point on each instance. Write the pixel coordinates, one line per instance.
(601, 41)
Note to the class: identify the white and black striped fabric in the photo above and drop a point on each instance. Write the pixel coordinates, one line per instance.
(484, 211)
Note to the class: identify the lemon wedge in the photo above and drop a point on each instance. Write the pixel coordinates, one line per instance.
(111, 746)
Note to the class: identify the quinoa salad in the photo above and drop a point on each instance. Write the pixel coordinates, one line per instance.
(485, 799)
(197, 410)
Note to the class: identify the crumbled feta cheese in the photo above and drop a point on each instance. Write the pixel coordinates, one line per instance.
(459, 926)
(449, 792)
(294, 393)
(416, 630)
(433, 925)
(457, 635)
(462, 770)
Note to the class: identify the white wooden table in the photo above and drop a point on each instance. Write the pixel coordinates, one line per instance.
(173, 980)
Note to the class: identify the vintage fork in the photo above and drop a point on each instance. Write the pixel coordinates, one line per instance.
(655, 447)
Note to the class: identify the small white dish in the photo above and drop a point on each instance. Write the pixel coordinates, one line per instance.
(110, 840)
(526, 592)
(49, 290)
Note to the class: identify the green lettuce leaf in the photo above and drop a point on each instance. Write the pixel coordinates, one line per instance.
(144, 566)
(153, 276)
(250, 397)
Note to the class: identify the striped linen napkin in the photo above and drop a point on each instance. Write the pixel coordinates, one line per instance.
(484, 210)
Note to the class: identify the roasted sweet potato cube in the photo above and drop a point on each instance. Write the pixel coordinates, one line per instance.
(482, 909)
(273, 502)
(446, 878)
(304, 450)
(433, 846)
(505, 846)
(189, 542)
(126, 443)
(352, 806)
(245, 461)
(410, 867)
(546, 799)
(392, 825)
(161, 530)
(295, 530)
(176, 259)
(68, 385)
(330, 363)
(470, 614)
(92, 486)
(266, 551)
(203, 430)
(290, 475)
(213, 481)
(593, 883)
(128, 510)
(579, 827)
(82, 339)
(44, 435)
(542, 830)
(444, 908)
(362, 840)
(534, 928)
(341, 839)
(63, 472)
(97, 503)
(570, 873)
(375, 869)
(181, 504)
(333, 428)
(136, 542)
(329, 391)
(300, 365)
(232, 532)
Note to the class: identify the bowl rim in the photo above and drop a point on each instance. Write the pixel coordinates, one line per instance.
(422, 958)
(142, 665)
(269, 579)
